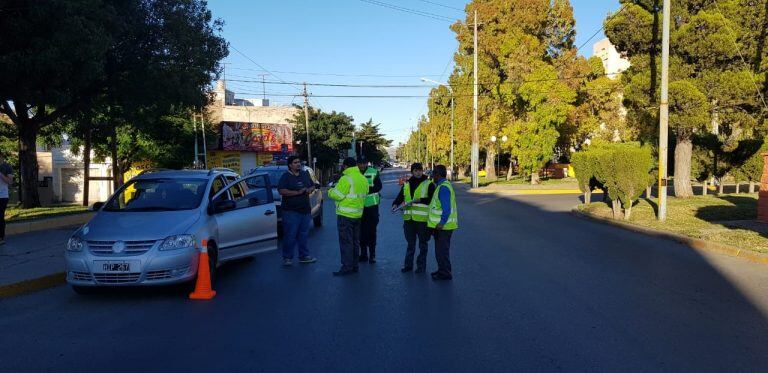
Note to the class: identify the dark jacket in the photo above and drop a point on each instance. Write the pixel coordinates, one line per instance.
(414, 183)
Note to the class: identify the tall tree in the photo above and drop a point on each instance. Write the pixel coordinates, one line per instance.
(331, 135)
(58, 57)
(374, 144)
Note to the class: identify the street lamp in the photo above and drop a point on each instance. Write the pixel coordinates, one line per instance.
(450, 89)
(498, 151)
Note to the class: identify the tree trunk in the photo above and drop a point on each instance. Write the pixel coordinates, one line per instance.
(649, 192)
(683, 152)
(704, 188)
(587, 197)
(751, 187)
(87, 167)
(535, 180)
(738, 187)
(490, 164)
(28, 159)
(462, 172)
(116, 180)
(616, 205)
(628, 212)
(720, 188)
(509, 171)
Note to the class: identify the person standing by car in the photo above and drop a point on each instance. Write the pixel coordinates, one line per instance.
(6, 179)
(443, 220)
(416, 193)
(295, 186)
(349, 195)
(370, 221)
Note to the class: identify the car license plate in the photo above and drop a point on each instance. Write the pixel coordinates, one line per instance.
(115, 266)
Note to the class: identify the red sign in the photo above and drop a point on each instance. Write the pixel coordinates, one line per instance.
(256, 137)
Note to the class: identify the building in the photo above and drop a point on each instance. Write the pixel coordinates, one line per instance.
(252, 133)
(62, 176)
(613, 62)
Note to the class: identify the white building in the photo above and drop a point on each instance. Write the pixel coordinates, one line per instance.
(64, 171)
(613, 62)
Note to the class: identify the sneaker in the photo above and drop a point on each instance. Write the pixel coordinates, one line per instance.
(2, 242)
(307, 259)
(287, 262)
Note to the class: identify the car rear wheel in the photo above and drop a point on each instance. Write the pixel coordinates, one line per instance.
(318, 220)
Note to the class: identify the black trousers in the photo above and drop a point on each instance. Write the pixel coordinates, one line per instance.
(349, 241)
(416, 230)
(442, 251)
(368, 225)
(3, 206)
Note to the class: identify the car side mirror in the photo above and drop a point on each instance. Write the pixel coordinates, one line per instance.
(97, 206)
(223, 206)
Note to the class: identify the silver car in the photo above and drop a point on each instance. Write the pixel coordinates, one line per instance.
(151, 230)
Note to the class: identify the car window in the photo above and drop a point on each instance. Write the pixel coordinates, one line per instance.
(216, 187)
(237, 191)
(168, 194)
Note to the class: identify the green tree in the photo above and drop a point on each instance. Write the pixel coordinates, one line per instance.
(57, 58)
(375, 146)
(331, 135)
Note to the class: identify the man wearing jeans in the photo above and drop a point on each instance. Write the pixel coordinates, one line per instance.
(6, 179)
(295, 186)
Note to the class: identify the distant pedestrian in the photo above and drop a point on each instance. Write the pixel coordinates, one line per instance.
(370, 220)
(416, 194)
(6, 179)
(443, 219)
(349, 194)
(295, 186)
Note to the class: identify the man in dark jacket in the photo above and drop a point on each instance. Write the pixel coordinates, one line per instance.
(414, 197)
(370, 220)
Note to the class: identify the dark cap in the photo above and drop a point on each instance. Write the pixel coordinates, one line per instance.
(361, 160)
(417, 166)
(350, 162)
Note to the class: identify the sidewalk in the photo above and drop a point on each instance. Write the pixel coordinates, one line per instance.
(31, 257)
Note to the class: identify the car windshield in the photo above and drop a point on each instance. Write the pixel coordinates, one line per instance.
(159, 195)
(274, 176)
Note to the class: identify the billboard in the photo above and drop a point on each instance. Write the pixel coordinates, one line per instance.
(256, 137)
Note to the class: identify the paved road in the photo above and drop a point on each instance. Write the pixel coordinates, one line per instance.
(534, 289)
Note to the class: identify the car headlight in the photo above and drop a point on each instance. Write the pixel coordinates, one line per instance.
(75, 244)
(181, 241)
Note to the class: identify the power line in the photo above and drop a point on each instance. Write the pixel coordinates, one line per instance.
(602, 28)
(342, 75)
(411, 11)
(441, 5)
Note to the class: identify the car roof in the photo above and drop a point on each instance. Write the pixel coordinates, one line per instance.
(277, 168)
(184, 174)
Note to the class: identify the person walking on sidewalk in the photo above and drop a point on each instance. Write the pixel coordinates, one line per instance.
(349, 194)
(6, 179)
(443, 220)
(295, 186)
(416, 194)
(370, 220)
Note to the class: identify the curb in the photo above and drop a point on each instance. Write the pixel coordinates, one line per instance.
(48, 223)
(694, 243)
(35, 284)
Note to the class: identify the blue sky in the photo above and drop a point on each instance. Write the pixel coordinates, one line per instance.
(328, 41)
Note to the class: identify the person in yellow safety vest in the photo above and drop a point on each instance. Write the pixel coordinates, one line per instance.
(415, 196)
(370, 213)
(349, 194)
(443, 219)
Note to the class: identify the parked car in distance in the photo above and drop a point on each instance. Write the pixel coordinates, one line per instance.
(150, 232)
(275, 172)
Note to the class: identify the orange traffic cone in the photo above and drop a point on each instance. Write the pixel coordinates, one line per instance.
(203, 286)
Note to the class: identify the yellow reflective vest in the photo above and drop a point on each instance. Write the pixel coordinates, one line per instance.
(417, 211)
(436, 209)
(350, 193)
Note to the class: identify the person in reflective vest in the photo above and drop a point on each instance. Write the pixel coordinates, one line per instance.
(443, 220)
(349, 195)
(370, 221)
(415, 196)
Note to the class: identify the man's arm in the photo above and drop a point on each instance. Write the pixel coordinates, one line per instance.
(445, 201)
(282, 188)
(339, 192)
(400, 197)
(377, 185)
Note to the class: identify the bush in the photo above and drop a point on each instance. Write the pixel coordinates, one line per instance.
(623, 170)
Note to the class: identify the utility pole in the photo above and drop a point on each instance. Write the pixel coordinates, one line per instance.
(306, 127)
(197, 152)
(664, 114)
(453, 171)
(475, 136)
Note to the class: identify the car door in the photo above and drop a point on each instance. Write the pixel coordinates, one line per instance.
(251, 226)
(316, 198)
